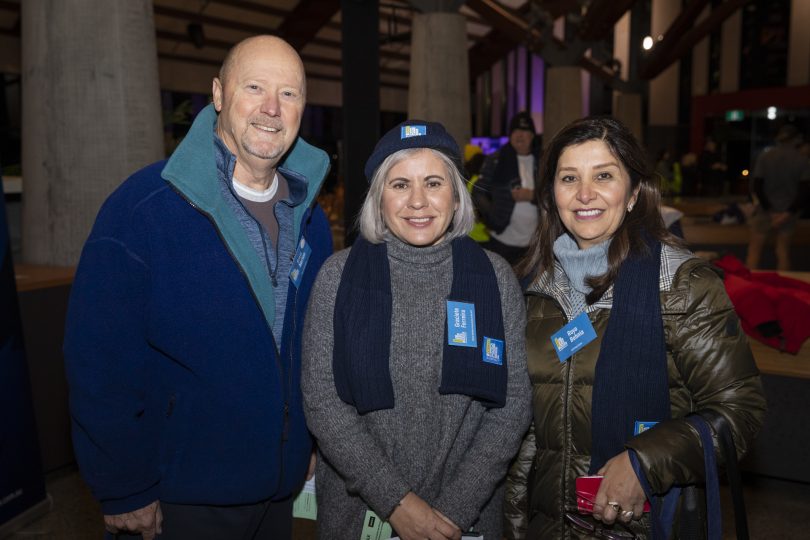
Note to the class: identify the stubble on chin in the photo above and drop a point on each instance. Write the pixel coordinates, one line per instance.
(272, 152)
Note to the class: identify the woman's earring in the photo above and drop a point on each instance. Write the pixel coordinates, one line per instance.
(630, 207)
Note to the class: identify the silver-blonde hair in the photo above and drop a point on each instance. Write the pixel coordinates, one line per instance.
(371, 222)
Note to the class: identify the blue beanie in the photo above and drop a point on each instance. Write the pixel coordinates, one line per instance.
(413, 134)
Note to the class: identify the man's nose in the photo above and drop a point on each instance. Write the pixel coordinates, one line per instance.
(270, 104)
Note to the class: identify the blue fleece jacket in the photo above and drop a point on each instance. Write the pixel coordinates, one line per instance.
(178, 389)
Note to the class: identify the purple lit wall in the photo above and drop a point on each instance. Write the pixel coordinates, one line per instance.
(489, 144)
(511, 75)
(496, 126)
(538, 88)
(516, 83)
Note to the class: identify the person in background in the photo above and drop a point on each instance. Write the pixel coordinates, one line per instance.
(656, 338)
(414, 373)
(711, 170)
(776, 185)
(666, 170)
(689, 175)
(183, 334)
(504, 195)
(473, 161)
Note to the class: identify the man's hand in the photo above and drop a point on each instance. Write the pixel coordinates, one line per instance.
(414, 519)
(523, 194)
(147, 521)
(312, 462)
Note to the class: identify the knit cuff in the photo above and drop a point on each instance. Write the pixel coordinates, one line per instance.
(457, 510)
(383, 493)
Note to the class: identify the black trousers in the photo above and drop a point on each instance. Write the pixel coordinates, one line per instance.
(268, 520)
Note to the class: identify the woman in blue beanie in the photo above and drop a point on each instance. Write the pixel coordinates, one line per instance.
(628, 333)
(414, 373)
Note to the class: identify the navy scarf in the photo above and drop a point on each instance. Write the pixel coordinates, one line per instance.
(362, 329)
(631, 381)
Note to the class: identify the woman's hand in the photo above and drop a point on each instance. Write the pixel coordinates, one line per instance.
(619, 485)
(414, 519)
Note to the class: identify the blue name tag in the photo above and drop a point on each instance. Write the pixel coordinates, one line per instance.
(573, 336)
(461, 324)
(641, 427)
(493, 351)
(302, 253)
(407, 132)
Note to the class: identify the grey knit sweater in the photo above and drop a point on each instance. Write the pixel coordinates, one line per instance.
(447, 449)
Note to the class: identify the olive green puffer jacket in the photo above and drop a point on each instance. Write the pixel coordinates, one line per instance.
(710, 366)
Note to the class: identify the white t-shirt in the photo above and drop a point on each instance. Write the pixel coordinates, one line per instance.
(523, 221)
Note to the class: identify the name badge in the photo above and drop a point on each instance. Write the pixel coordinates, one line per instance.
(374, 528)
(642, 426)
(305, 505)
(299, 263)
(461, 324)
(573, 336)
(493, 351)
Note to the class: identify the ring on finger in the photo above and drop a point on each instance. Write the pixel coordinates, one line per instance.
(616, 506)
(628, 515)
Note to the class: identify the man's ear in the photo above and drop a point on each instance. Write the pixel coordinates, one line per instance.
(216, 90)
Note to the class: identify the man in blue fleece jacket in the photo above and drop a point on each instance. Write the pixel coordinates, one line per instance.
(183, 336)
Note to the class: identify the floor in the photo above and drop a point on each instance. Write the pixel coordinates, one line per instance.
(777, 509)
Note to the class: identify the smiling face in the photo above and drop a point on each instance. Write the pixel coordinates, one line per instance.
(418, 201)
(592, 190)
(260, 99)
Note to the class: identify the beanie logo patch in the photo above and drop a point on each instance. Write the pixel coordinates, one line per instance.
(412, 131)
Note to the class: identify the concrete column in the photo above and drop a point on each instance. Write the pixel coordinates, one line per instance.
(730, 40)
(798, 72)
(621, 44)
(700, 62)
(663, 103)
(91, 115)
(439, 87)
(563, 99)
(627, 109)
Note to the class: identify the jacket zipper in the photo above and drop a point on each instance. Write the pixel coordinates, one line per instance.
(566, 402)
(294, 322)
(279, 365)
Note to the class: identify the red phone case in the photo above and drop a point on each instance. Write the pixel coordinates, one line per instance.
(587, 487)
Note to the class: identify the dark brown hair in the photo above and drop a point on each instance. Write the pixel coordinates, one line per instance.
(643, 222)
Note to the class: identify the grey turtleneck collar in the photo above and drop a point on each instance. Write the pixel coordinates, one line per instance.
(580, 264)
(418, 255)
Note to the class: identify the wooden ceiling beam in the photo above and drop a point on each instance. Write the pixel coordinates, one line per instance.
(201, 18)
(557, 8)
(677, 41)
(225, 46)
(512, 30)
(304, 22)
(253, 6)
(601, 17)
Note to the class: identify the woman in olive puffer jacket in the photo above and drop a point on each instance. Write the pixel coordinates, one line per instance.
(667, 343)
